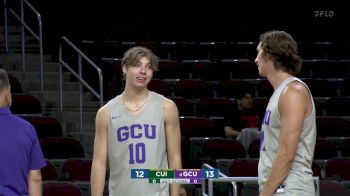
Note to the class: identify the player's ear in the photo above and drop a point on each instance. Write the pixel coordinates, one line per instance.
(8, 97)
(124, 69)
(238, 101)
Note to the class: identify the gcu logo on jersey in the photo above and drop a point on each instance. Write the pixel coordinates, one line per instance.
(266, 120)
(262, 146)
(136, 131)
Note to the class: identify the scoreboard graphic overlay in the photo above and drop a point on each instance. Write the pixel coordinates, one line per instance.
(176, 176)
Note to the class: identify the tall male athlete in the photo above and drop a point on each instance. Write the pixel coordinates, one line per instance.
(288, 132)
(138, 129)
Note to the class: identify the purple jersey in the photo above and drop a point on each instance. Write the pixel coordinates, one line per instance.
(20, 152)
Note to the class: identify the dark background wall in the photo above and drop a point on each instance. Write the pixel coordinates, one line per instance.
(184, 21)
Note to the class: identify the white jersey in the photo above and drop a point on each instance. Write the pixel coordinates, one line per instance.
(136, 142)
(299, 180)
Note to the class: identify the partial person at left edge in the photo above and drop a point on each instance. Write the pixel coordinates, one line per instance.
(21, 157)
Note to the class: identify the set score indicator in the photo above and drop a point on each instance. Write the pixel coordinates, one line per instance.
(175, 181)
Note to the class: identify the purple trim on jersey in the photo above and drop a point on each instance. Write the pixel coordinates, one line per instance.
(20, 152)
(262, 146)
(267, 115)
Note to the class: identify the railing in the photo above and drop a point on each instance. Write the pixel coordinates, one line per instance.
(79, 76)
(234, 180)
(25, 25)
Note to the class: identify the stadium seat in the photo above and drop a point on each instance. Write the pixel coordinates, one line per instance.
(321, 87)
(61, 148)
(211, 71)
(49, 172)
(324, 149)
(338, 106)
(260, 104)
(332, 126)
(171, 70)
(265, 89)
(77, 169)
(193, 89)
(316, 169)
(338, 168)
(344, 87)
(60, 188)
(16, 86)
(189, 51)
(209, 107)
(232, 88)
(331, 187)
(224, 50)
(197, 127)
(247, 70)
(194, 127)
(45, 126)
(25, 104)
(160, 86)
(159, 50)
(184, 106)
(244, 167)
(254, 149)
(223, 148)
(345, 148)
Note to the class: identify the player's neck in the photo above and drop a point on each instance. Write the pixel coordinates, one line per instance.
(135, 101)
(4, 104)
(132, 95)
(278, 78)
(4, 101)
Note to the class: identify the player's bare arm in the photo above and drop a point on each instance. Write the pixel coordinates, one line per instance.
(294, 107)
(35, 182)
(173, 139)
(99, 163)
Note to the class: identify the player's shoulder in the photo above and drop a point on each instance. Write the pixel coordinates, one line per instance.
(103, 107)
(20, 121)
(296, 87)
(102, 111)
(295, 92)
(168, 103)
(110, 103)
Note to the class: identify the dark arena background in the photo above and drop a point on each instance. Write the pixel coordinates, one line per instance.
(206, 51)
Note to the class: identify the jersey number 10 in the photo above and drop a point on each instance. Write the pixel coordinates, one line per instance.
(137, 153)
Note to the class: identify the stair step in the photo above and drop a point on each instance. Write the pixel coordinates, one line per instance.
(17, 38)
(47, 67)
(13, 29)
(31, 80)
(17, 57)
(49, 86)
(31, 50)
(88, 106)
(54, 86)
(51, 100)
(13, 61)
(71, 120)
(69, 115)
(34, 67)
